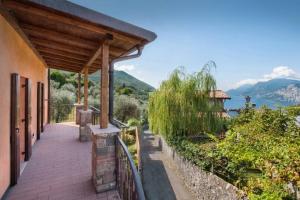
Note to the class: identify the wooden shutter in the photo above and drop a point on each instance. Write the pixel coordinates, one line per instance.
(28, 133)
(14, 129)
(42, 106)
(38, 111)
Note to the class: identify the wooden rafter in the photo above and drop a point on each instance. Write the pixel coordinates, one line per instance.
(28, 9)
(67, 48)
(58, 37)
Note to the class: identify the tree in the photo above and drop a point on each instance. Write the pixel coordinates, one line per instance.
(61, 104)
(126, 108)
(182, 105)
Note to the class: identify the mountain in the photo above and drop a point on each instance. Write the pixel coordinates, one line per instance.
(123, 80)
(273, 93)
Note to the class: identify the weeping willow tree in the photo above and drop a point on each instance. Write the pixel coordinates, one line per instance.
(182, 106)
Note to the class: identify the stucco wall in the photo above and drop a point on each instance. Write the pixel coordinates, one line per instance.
(204, 185)
(15, 57)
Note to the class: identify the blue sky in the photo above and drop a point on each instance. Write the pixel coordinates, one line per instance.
(250, 40)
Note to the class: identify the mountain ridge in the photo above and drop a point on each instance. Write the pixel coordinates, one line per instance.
(273, 93)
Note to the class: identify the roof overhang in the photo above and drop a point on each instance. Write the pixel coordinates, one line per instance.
(67, 36)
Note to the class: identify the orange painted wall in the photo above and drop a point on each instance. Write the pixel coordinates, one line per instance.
(15, 57)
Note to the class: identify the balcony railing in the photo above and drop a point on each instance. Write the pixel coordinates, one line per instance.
(129, 183)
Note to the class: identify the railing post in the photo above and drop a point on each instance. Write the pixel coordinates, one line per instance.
(84, 121)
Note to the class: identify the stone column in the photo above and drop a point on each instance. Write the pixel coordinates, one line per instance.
(104, 157)
(84, 120)
(78, 107)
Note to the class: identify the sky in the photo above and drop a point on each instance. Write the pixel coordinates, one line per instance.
(249, 40)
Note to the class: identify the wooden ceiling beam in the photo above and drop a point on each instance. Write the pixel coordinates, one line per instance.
(62, 68)
(31, 10)
(58, 37)
(62, 47)
(59, 59)
(65, 48)
(66, 64)
(55, 52)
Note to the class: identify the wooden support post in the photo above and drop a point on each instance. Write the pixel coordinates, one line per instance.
(79, 89)
(86, 80)
(104, 85)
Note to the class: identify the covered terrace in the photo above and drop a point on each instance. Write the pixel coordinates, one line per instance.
(70, 37)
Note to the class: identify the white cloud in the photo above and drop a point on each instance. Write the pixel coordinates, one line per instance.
(281, 72)
(277, 72)
(126, 68)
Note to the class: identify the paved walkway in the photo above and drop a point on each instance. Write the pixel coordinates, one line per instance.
(160, 179)
(60, 168)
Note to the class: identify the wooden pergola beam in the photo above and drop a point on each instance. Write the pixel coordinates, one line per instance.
(30, 10)
(104, 85)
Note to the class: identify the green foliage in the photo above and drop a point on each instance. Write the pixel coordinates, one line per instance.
(125, 84)
(58, 77)
(125, 108)
(263, 149)
(182, 105)
(133, 122)
(61, 104)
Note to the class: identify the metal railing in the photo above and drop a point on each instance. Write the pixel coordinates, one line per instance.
(128, 179)
(129, 184)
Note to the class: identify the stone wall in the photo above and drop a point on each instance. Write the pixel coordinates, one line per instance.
(204, 185)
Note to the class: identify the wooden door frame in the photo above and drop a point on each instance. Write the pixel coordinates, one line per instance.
(28, 119)
(14, 129)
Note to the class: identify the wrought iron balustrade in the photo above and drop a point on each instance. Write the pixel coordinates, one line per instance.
(129, 183)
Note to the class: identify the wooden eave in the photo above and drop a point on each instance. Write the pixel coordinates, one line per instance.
(67, 36)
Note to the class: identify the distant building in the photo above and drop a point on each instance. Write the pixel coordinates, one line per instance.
(220, 96)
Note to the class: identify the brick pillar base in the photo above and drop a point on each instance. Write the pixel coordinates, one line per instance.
(104, 157)
(78, 107)
(85, 118)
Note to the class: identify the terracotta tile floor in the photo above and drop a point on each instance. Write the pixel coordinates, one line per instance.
(60, 168)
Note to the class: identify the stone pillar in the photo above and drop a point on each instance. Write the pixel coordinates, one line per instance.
(78, 107)
(104, 157)
(84, 120)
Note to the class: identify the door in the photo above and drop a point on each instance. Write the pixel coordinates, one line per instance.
(28, 117)
(38, 110)
(14, 130)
